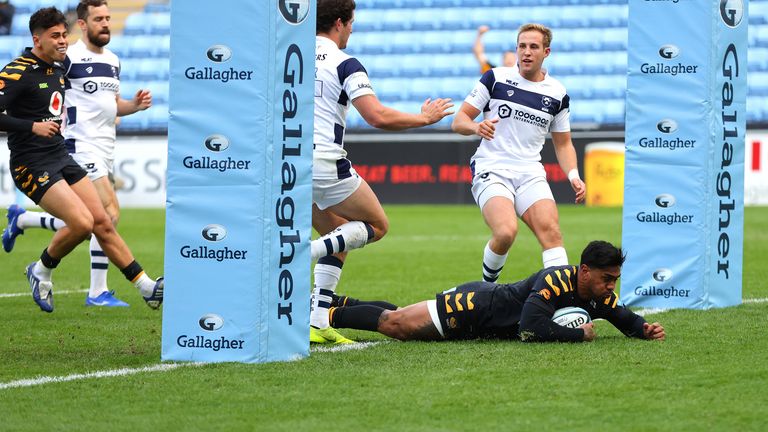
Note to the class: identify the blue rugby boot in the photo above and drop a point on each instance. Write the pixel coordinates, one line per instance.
(42, 291)
(12, 231)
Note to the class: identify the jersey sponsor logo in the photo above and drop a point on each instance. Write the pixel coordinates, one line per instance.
(294, 11)
(49, 71)
(533, 119)
(89, 69)
(90, 87)
(504, 111)
(43, 85)
(56, 104)
(545, 293)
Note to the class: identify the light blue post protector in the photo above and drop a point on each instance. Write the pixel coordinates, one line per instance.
(683, 220)
(239, 181)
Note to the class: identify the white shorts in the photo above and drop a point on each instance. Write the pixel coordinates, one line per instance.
(522, 188)
(329, 192)
(96, 166)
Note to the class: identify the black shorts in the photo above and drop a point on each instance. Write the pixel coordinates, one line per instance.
(479, 310)
(34, 174)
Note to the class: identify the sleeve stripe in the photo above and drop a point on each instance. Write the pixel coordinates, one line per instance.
(568, 278)
(615, 300)
(560, 278)
(548, 278)
(14, 77)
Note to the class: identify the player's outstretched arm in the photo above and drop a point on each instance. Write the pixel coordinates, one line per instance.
(141, 101)
(478, 49)
(654, 331)
(382, 117)
(464, 123)
(566, 156)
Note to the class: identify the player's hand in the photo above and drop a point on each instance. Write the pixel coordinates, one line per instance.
(434, 110)
(486, 128)
(482, 29)
(654, 331)
(142, 100)
(580, 188)
(45, 129)
(589, 331)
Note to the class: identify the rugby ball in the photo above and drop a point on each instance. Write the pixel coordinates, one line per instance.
(571, 317)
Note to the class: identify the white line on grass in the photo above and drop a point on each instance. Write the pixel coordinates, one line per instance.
(344, 347)
(28, 293)
(651, 311)
(164, 367)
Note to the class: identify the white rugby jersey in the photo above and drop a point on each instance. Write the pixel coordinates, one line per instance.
(339, 79)
(526, 110)
(92, 83)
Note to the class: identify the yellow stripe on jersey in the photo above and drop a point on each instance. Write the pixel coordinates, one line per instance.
(19, 67)
(548, 278)
(568, 278)
(25, 60)
(459, 307)
(607, 300)
(470, 305)
(615, 300)
(448, 308)
(14, 76)
(560, 278)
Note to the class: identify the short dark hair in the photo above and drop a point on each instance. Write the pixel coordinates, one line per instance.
(601, 254)
(82, 7)
(328, 11)
(46, 18)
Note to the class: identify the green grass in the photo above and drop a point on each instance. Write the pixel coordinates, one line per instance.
(709, 374)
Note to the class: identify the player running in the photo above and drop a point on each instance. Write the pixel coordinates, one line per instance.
(32, 94)
(92, 104)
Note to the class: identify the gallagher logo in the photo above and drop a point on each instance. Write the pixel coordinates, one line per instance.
(219, 53)
(217, 143)
(732, 12)
(665, 200)
(211, 322)
(662, 275)
(666, 126)
(294, 11)
(214, 233)
(669, 51)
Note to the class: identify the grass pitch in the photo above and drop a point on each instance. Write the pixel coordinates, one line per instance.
(709, 374)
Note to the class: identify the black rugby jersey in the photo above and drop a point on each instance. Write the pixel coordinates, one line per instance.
(31, 90)
(555, 288)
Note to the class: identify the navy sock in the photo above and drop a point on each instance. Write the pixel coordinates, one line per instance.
(362, 317)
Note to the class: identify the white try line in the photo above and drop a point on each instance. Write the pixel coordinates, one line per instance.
(651, 311)
(29, 293)
(164, 367)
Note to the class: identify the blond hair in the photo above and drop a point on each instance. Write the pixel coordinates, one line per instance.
(544, 30)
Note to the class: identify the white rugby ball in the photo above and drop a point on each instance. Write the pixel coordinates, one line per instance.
(571, 317)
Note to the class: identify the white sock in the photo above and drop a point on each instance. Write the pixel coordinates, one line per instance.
(327, 274)
(145, 285)
(42, 272)
(554, 257)
(351, 235)
(492, 263)
(30, 219)
(99, 265)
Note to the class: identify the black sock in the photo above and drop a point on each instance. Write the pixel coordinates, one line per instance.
(361, 317)
(132, 271)
(49, 261)
(344, 301)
